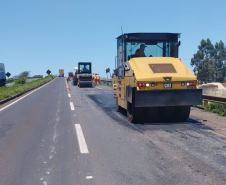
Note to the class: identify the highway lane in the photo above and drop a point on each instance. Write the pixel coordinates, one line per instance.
(39, 143)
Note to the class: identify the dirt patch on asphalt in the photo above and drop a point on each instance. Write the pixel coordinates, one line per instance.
(218, 123)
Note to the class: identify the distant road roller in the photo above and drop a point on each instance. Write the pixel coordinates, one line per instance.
(84, 74)
(151, 82)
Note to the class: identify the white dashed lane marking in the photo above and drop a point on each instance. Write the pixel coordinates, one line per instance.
(72, 106)
(89, 177)
(69, 95)
(81, 139)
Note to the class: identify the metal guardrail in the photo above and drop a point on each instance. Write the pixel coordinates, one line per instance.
(108, 81)
(9, 81)
(215, 99)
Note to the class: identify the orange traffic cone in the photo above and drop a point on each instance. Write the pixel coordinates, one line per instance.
(68, 87)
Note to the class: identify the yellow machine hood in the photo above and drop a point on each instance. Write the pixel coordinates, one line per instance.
(155, 68)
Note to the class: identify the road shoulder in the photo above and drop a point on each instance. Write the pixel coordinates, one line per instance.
(216, 122)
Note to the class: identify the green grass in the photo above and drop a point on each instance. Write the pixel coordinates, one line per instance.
(218, 108)
(20, 81)
(9, 80)
(8, 92)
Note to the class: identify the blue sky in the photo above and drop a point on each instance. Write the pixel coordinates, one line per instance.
(36, 35)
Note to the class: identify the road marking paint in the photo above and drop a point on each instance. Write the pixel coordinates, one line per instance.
(81, 139)
(69, 95)
(72, 106)
(89, 177)
(98, 88)
(66, 82)
(24, 96)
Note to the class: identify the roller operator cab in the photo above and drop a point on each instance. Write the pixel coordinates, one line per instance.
(2, 75)
(151, 82)
(84, 74)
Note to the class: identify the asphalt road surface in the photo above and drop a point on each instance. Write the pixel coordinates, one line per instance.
(27, 80)
(56, 137)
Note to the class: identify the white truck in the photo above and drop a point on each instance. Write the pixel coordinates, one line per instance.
(2, 74)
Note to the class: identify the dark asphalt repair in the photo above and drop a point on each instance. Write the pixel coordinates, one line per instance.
(110, 109)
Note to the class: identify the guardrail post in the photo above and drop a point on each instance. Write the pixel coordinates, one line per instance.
(205, 103)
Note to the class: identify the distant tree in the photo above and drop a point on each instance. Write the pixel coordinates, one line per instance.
(212, 58)
(24, 74)
(220, 61)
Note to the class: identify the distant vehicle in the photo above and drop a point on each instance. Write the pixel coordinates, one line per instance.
(2, 74)
(61, 71)
(70, 74)
(84, 74)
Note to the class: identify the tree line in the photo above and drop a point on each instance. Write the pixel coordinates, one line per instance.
(210, 61)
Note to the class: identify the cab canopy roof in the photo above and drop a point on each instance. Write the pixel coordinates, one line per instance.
(151, 36)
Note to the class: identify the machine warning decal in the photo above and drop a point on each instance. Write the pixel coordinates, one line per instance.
(162, 68)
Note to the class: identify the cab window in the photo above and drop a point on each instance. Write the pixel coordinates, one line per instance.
(85, 68)
(151, 49)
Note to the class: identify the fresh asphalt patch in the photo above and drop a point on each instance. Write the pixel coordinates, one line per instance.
(109, 107)
(111, 112)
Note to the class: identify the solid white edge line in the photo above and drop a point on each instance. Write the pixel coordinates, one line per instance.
(72, 106)
(24, 96)
(81, 139)
(69, 95)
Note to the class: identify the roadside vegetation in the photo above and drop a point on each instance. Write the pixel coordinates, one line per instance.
(9, 80)
(25, 74)
(218, 108)
(20, 81)
(212, 60)
(20, 87)
(106, 83)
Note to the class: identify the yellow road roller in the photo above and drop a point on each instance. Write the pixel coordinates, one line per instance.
(151, 82)
(84, 75)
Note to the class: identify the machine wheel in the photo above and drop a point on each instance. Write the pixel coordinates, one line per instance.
(134, 114)
(118, 108)
(182, 113)
(169, 113)
(151, 114)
